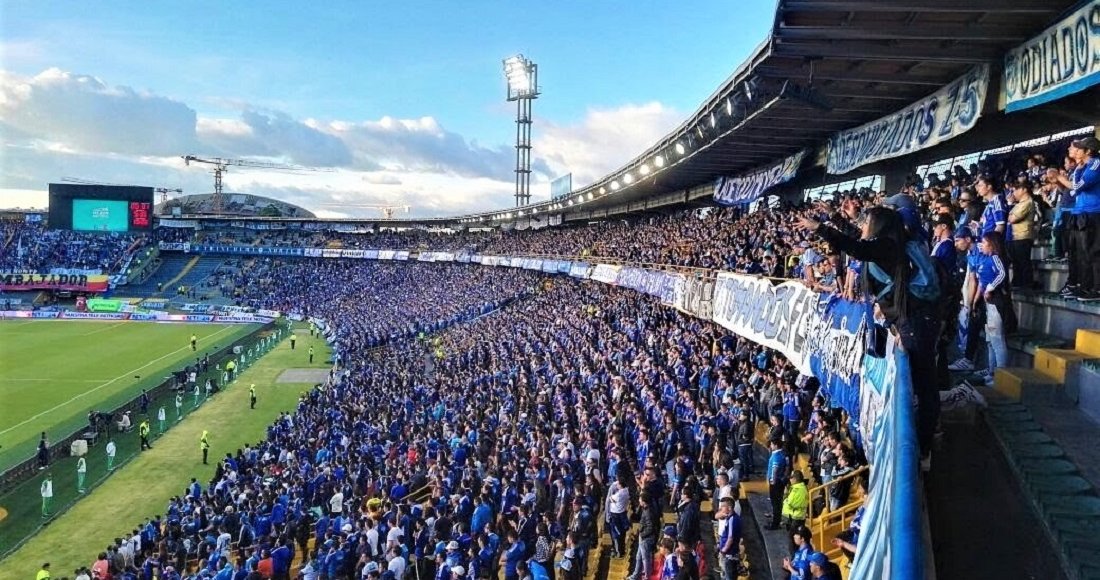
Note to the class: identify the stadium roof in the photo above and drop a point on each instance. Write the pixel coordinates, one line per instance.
(827, 65)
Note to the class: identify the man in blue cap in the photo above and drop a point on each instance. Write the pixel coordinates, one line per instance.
(970, 330)
(821, 567)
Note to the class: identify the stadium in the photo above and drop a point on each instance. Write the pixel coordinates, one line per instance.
(841, 321)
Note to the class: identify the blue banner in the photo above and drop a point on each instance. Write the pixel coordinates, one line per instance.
(748, 187)
(890, 540)
(835, 346)
(662, 285)
(564, 266)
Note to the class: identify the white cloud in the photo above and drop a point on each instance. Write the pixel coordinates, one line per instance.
(84, 113)
(604, 140)
(59, 124)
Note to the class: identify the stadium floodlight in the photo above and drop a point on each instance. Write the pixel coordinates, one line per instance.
(699, 130)
(603, 190)
(729, 107)
(522, 77)
(680, 148)
(615, 185)
(659, 161)
(628, 178)
(644, 169)
(713, 121)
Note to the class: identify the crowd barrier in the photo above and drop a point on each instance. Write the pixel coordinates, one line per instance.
(135, 316)
(823, 335)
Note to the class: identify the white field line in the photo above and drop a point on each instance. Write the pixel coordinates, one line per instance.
(90, 391)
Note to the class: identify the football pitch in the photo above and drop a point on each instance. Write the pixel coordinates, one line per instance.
(52, 372)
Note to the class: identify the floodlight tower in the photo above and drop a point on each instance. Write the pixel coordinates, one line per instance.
(523, 87)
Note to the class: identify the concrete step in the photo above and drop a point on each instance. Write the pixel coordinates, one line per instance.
(1049, 313)
(1025, 384)
(1054, 362)
(1088, 342)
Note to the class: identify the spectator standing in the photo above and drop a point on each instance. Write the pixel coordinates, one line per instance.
(1084, 223)
(1022, 217)
(204, 445)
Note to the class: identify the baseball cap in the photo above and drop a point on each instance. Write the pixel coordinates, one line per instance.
(899, 201)
(452, 545)
(818, 558)
(371, 567)
(1090, 143)
(458, 570)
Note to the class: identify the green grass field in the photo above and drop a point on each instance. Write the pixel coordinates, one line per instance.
(141, 488)
(52, 372)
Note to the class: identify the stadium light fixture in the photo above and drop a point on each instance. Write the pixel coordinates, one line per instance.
(713, 121)
(680, 148)
(628, 178)
(659, 161)
(615, 185)
(729, 107)
(699, 130)
(523, 87)
(644, 169)
(603, 190)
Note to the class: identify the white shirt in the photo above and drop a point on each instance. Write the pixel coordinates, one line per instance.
(372, 539)
(393, 537)
(47, 488)
(81, 465)
(160, 414)
(336, 503)
(617, 499)
(397, 566)
(110, 449)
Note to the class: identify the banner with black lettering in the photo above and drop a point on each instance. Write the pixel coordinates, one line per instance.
(748, 187)
(776, 316)
(835, 343)
(1062, 60)
(943, 115)
(663, 285)
(579, 270)
(697, 297)
(18, 282)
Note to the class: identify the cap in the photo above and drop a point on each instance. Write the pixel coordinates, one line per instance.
(1089, 143)
(458, 570)
(346, 529)
(371, 567)
(899, 201)
(452, 545)
(818, 559)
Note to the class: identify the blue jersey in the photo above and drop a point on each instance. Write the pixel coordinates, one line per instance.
(944, 253)
(1086, 187)
(991, 272)
(993, 215)
(777, 467)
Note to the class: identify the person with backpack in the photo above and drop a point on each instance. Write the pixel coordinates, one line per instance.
(902, 282)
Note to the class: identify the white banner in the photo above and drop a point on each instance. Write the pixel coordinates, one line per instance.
(1062, 60)
(947, 113)
(777, 317)
(605, 273)
(386, 254)
(748, 187)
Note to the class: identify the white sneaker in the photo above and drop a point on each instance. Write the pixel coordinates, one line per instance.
(963, 364)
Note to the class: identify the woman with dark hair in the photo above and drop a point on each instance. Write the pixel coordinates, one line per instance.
(991, 290)
(882, 247)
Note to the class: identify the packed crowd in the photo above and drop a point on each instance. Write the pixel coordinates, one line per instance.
(369, 303)
(575, 405)
(34, 248)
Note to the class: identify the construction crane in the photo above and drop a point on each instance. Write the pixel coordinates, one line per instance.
(388, 211)
(163, 191)
(222, 165)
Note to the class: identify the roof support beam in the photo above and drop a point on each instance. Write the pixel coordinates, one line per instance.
(855, 77)
(964, 33)
(876, 51)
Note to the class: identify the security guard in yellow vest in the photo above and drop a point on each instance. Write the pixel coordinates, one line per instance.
(143, 432)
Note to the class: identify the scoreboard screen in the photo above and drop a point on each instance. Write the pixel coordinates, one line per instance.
(103, 208)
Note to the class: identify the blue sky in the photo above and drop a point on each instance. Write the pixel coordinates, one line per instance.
(385, 92)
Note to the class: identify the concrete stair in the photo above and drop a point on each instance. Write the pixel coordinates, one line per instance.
(1052, 368)
(1067, 503)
